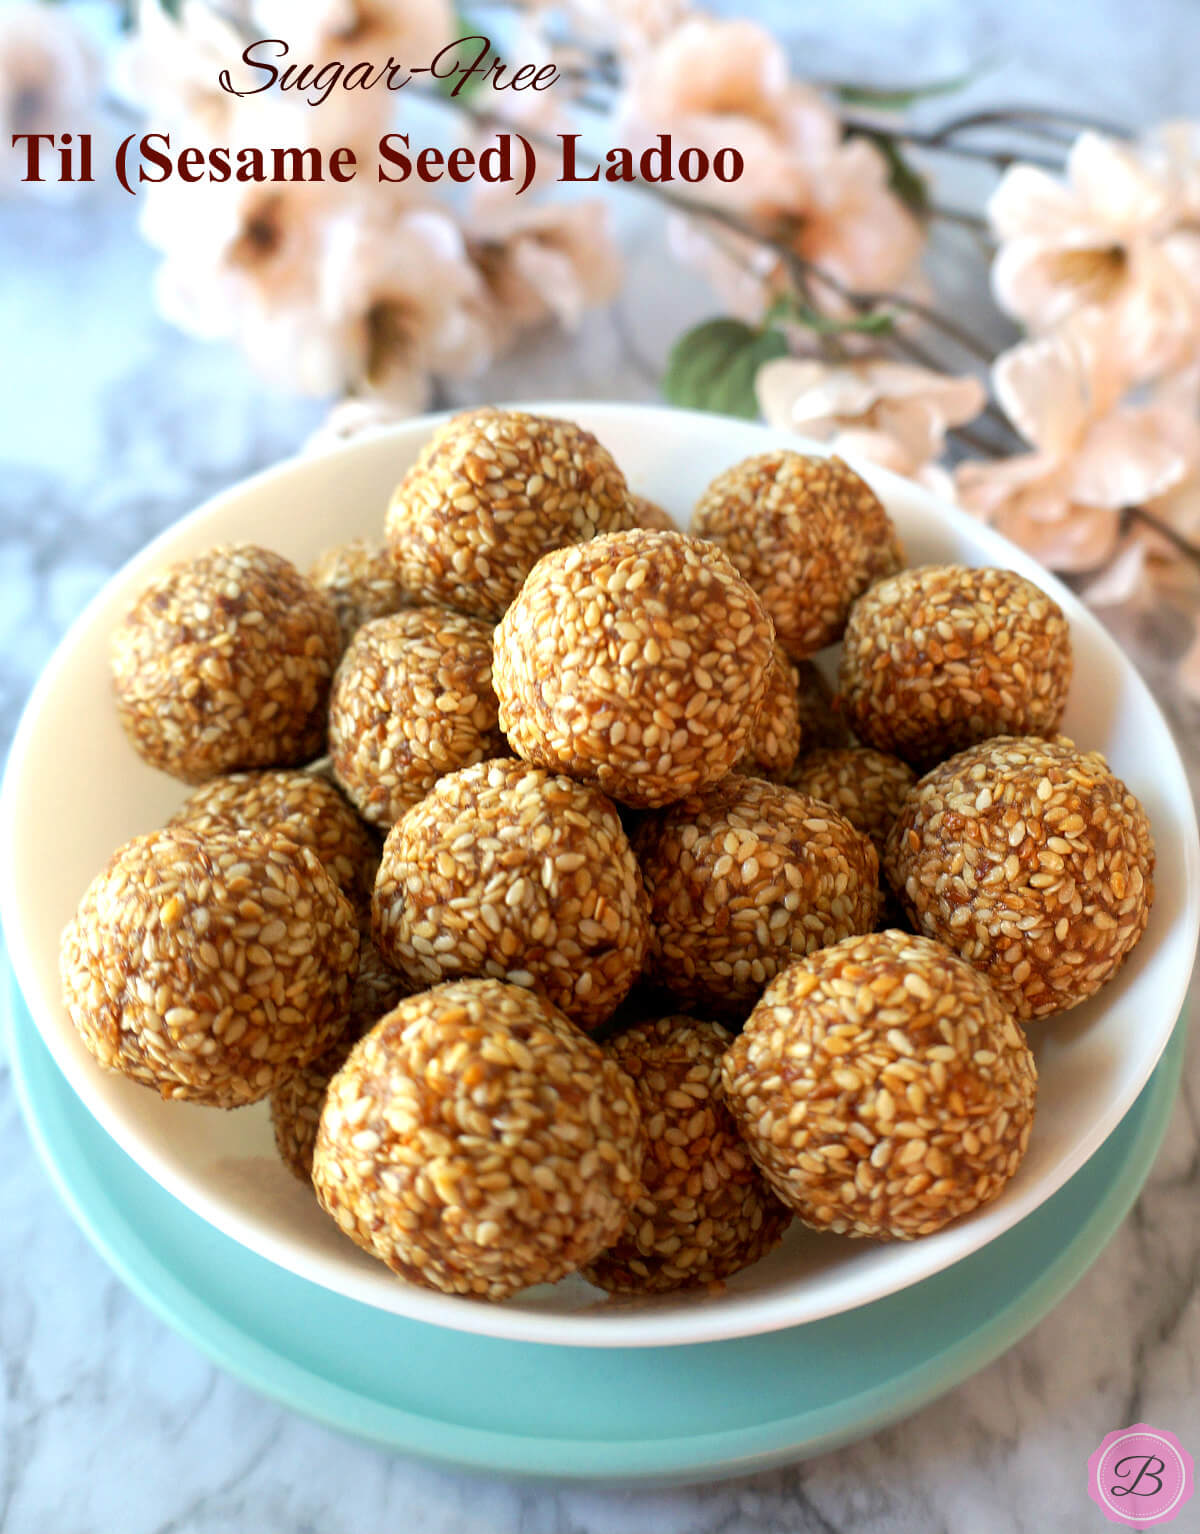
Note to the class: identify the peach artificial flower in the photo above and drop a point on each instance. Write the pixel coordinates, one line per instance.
(630, 25)
(1092, 453)
(1103, 240)
(890, 412)
(404, 303)
(714, 83)
(49, 80)
(553, 261)
(169, 68)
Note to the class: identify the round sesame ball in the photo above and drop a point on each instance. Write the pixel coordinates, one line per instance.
(492, 493)
(882, 1087)
(224, 662)
(867, 787)
(1033, 861)
(209, 967)
(477, 1142)
(809, 535)
(361, 580)
(302, 806)
(649, 513)
(820, 725)
(939, 657)
(638, 662)
(412, 701)
(510, 871)
(775, 739)
(296, 1103)
(742, 880)
(704, 1211)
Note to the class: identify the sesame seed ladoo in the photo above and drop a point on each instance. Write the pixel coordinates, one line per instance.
(942, 656)
(210, 968)
(300, 805)
(820, 725)
(775, 740)
(704, 1212)
(490, 494)
(224, 662)
(882, 1087)
(1033, 861)
(297, 1102)
(477, 1142)
(809, 534)
(638, 662)
(867, 787)
(742, 880)
(361, 580)
(510, 871)
(412, 701)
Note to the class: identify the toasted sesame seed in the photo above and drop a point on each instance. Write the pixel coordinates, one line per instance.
(949, 1144)
(684, 719)
(939, 657)
(809, 534)
(155, 1003)
(491, 493)
(1051, 922)
(224, 662)
(498, 1146)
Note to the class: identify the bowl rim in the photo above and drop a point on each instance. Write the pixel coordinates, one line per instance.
(735, 1316)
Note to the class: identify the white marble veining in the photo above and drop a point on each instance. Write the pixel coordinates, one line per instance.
(111, 426)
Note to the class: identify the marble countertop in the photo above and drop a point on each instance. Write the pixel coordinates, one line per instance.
(111, 1421)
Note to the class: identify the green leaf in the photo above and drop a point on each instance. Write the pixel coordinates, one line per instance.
(895, 99)
(877, 323)
(904, 179)
(713, 366)
(172, 7)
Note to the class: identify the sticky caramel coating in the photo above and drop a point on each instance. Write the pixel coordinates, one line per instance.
(1033, 861)
(775, 740)
(412, 701)
(510, 871)
(942, 656)
(300, 805)
(477, 1142)
(492, 492)
(743, 880)
(867, 787)
(809, 535)
(882, 1087)
(705, 1212)
(224, 662)
(297, 1102)
(209, 967)
(361, 580)
(638, 662)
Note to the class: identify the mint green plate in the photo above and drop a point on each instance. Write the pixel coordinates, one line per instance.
(665, 1414)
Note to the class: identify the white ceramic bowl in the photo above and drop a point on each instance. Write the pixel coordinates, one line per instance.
(74, 790)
